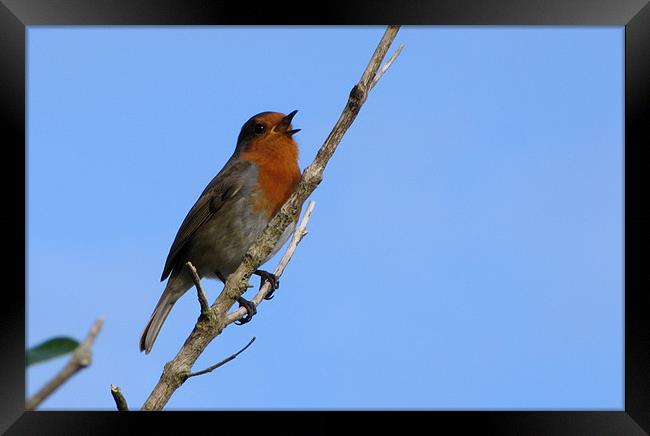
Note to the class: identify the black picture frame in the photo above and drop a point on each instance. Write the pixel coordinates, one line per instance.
(16, 15)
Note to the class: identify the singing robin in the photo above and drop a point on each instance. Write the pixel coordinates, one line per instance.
(231, 212)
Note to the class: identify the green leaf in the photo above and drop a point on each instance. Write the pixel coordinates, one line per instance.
(50, 349)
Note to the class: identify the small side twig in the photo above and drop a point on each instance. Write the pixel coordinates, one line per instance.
(223, 362)
(203, 300)
(81, 358)
(386, 66)
(120, 401)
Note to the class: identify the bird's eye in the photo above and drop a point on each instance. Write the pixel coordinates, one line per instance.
(259, 128)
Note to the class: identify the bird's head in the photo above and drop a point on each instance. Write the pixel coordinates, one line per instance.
(268, 130)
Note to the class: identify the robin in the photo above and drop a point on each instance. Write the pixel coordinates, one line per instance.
(231, 213)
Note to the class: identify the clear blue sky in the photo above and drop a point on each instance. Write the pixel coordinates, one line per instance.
(466, 250)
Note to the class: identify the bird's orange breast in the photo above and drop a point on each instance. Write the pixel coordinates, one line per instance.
(277, 162)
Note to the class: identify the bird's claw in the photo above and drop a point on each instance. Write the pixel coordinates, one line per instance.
(251, 310)
(273, 280)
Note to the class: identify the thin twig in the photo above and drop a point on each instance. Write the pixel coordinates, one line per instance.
(386, 66)
(299, 233)
(81, 358)
(223, 362)
(120, 401)
(209, 327)
(203, 300)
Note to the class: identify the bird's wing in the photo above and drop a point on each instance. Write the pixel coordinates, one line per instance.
(223, 187)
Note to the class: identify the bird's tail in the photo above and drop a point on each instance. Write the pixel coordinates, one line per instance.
(158, 317)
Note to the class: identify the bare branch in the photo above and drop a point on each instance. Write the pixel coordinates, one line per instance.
(203, 300)
(223, 362)
(81, 358)
(120, 401)
(209, 327)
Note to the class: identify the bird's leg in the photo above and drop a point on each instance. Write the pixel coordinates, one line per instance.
(220, 277)
(273, 280)
(250, 308)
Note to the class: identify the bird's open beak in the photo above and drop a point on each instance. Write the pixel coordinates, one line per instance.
(285, 123)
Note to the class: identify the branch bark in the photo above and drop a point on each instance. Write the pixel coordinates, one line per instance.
(81, 358)
(212, 324)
